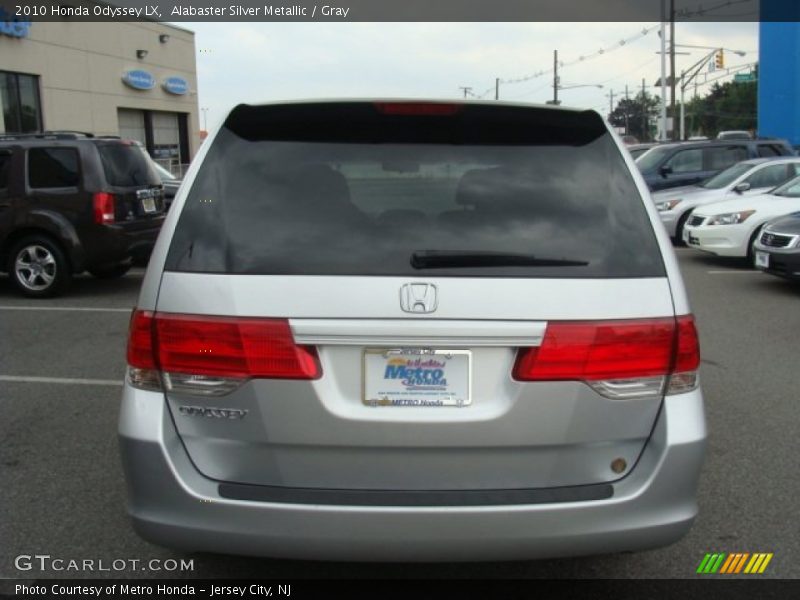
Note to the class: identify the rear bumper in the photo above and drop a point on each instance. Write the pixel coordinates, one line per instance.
(173, 505)
(113, 244)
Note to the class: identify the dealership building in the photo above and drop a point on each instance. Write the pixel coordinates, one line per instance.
(136, 80)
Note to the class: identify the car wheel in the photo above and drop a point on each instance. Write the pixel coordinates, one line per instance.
(39, 267)
(678, 239)
(112, 272)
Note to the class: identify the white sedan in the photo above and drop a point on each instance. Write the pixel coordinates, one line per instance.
(747, 178)
(730, 227)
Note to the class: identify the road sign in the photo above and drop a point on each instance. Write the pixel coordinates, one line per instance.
(744, 77)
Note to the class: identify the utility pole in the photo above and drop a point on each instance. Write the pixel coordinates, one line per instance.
(467, 90)
(626, 109)
(645, 133)
(672, 62)
(555, 77)
(663, 82)
(611, 103)
(683, 112)
(497, 88)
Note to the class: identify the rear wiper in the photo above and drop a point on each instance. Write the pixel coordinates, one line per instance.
(443, 259)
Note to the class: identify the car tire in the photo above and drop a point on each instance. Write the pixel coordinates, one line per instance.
(678, 239)
(751, 251)
(113, 272)
(38, 267)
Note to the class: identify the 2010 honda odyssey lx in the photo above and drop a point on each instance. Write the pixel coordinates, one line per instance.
(403, 330)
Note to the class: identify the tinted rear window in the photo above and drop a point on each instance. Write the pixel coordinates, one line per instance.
(53, 167)
(346, 190)
(5, 164)
(127, 165)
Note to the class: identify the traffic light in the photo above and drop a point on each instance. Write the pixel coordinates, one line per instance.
(719, 59)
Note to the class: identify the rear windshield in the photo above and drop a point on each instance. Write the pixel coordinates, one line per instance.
(348, 190)
(127, 165)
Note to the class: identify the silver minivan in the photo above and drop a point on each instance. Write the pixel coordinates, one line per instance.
(412, 330)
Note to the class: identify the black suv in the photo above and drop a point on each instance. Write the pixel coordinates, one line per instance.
(73, 202)
(686, 163)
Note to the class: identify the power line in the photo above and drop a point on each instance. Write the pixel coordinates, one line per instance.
(581, 59)
(702, 10)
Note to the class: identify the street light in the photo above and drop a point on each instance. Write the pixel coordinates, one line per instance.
(560, 87)
(737, 52)
(572, 87)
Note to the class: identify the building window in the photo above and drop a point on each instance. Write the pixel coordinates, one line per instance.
(20, 107)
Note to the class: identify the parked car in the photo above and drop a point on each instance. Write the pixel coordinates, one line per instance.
(385, 330)
(734, 135)
(637, 150)
(746, 178)
(687, 163)
(730, 227)
(777, 249)
(169, 182)
(74, 202)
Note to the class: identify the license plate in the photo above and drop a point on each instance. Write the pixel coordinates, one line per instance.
(418, 377)
(685, 236)
(149, 205)
(762, 260)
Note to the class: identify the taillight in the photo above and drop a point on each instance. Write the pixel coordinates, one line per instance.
(141, 353)
(438, 109)
(619, 359)
(232, 347)
(103, 203)
(213, 355)
(687, 357)
(142, 372)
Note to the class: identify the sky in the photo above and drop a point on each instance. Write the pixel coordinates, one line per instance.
(262, 62)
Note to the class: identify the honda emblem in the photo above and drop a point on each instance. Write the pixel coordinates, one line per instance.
(419, 298)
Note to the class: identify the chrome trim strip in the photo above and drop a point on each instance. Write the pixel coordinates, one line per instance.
(793, 237)
(407, 332)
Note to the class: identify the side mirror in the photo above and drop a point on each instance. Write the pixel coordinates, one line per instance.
(665, 170)
(741, 187)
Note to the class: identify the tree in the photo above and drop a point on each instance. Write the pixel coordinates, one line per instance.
(636, 115)
(731, 105)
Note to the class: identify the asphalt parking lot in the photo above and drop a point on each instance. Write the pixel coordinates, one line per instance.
(62, 493)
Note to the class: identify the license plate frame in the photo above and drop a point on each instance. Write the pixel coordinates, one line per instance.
(409, 377)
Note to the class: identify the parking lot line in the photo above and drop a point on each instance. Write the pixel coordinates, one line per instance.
(66, 308)
(59, 380)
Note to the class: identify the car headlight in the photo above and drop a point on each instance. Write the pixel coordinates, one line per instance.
(730, 218)
(668, 204)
